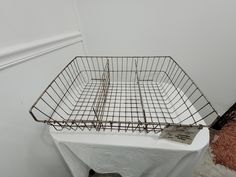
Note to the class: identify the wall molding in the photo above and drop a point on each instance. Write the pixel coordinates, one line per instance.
(13, 55)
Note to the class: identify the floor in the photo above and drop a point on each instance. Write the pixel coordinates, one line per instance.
(224, 146)
(208, 168)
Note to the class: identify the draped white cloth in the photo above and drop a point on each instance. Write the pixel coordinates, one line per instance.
(129, 154)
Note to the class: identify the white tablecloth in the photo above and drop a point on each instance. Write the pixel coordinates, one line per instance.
(129, 154)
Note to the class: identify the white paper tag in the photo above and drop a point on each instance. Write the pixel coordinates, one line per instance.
(180, 134)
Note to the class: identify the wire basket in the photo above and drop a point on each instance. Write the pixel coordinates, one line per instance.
(142, 94)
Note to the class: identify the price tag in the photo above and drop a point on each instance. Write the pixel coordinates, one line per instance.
(182, 134)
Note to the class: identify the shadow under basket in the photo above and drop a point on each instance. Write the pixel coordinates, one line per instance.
(142, 94)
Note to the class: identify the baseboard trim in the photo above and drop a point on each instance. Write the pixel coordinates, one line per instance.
(23, 52)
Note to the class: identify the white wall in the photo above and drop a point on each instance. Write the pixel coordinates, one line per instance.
(27, 148)
(28, 20)
(200, 35)
(38, 38)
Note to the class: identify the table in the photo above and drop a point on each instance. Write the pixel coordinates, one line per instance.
(129, 154)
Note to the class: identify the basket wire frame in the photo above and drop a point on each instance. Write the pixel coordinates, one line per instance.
(142, 94)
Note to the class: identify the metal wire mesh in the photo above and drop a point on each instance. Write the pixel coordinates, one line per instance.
(122, 93)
